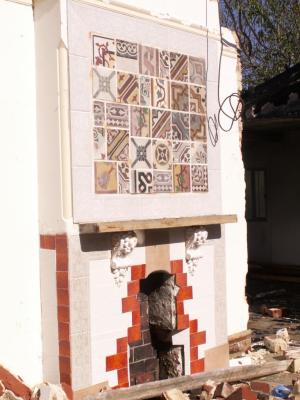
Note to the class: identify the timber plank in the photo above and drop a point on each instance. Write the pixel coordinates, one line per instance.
(154, 389)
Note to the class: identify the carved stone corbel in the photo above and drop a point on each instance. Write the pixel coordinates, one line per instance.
(194, 239)
(122, 246)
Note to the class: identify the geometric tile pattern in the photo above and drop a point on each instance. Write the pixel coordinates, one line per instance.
(148, 119)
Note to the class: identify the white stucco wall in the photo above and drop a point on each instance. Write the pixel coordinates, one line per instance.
(20, 333)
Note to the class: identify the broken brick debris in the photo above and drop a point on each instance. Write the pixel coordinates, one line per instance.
(14, 384)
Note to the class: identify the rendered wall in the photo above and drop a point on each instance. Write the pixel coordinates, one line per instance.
(20, 334)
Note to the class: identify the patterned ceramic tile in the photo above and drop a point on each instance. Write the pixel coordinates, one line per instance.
(160, 93)
(197, 127)
(149, 60)
(180, 126)
(181, 152)
(199, 178)
(105, 177)
(162, 154)
(128, 88)
(181, 178)
(142, 181)
(99, 143)
(117, 144)
(117, 115)
(179, 67)
(140, 153)
(161, 124)
(162, 181)
(103, 51)
(145, 90)
(197, 99)
(140, 121)
(197, 70)
(199, 153)
(123, 175)
(179, 96)
(99, 113)
(104, 84)
(127, 56)
(164, 64)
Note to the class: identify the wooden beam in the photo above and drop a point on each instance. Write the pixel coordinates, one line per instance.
(189, 382)
(120, 226)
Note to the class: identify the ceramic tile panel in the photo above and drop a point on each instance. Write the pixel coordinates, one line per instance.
(148, 119)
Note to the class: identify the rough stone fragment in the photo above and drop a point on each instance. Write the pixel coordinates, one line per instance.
(175, 394)
(48, 391)
(171, 363)
(9, 395)
(295, 365)
(275, 344)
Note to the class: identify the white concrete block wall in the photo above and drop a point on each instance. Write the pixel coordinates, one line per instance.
(20, 333)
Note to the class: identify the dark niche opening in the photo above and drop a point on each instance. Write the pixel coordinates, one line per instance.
(155, 357)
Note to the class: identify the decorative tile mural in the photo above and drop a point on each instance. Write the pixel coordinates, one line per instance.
(149, 119)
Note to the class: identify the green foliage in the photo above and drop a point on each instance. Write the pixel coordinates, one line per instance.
(269, 35)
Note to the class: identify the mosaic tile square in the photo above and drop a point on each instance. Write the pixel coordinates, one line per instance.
(199, 153)
(197, 70)
(181, 178)
(127, 56)
(123, 177)
(105, 177)
(162, 181)
(160, 93)
(140, 153)
(128, 88)
(117, 115)
(104, 51)
(99, 113)
(179, 96)
(164, 64)
(140, 121)
(161, 124)
(197, 99)
(117, 144)
(99, 143)
(181, 152)
(162, 154)
(199, 178)
(142, 181)
(148, 60)
(145, 90)
(104, 84)
(180, 126)
(179, 67)
(197, 127)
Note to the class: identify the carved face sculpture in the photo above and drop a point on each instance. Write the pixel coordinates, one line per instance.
(127, 244)
(200, 237)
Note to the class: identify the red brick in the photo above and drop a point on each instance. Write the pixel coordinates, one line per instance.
(2, 389)
(145, 377)
(117, 361)
(47, 242)
(122, 376)
(63, 297)
(136, 317)
(133, 288)
(181, 279)
(260, 386)
(63, 314)
(194, 326)
(183, 321)
(122, 345)
(180, 307)
(61, 242)
(242, 393)
(197, 338)
(63, 331)
(274, 312)
(138, 272)
(124, 385)
(197, 366)
(130, 304)
(64, 348)
(62, 261)
(194, 353)
(65, 365)
(62, 280)
(176, 266)
(185, 293)
(14, 384)
(65, 378)
(68, 390)
(134, 334)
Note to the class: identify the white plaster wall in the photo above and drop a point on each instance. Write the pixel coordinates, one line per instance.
(20, 333)
(233, 202)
